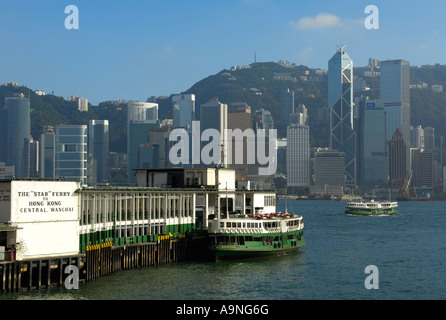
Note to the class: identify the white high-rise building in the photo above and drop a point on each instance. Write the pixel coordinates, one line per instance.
(298, 155)
(71, 152)
(82, 104)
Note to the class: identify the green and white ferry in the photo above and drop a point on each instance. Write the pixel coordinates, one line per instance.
(371, 208)
(255, 235)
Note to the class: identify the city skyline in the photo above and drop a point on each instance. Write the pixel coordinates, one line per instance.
(134, 51)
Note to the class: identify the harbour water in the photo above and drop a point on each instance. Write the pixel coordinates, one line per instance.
(408, 250)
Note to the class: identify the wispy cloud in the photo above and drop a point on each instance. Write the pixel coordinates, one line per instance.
(322, 20)
(306, 53)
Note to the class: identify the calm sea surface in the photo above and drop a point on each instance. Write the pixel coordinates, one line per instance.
(409, 251)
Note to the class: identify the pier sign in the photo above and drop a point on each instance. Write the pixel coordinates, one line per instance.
(46, 214)
(44, 201)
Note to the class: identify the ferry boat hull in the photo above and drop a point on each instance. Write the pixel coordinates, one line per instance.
(255, 249)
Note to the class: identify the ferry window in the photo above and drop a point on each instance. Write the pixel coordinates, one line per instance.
(222, 224)
(244, 224)
(228, 224)
(239, 224)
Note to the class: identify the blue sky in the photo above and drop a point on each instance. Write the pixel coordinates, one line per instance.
(135, 49)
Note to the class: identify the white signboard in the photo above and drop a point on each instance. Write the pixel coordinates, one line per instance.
(34, 201)
(47, 214)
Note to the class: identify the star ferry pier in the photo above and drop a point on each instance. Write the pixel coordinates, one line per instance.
(48, 228)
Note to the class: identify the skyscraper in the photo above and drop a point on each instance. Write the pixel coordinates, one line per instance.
(397, 159)
(329, 172)
(239, 117)
(287, 105)
(71, 152)
(34, 158)
(429, 138)
(214, 115)
(340, 104)
(303, 113)
(422, 168)
(373, 164)
(298, 155)
(141, 117)
(159, 140)
(395, 95)
(183, 111)
(18, 134)
(261, 120)
(3, 134)
(98, 143)
(47, 153)
(417, 137)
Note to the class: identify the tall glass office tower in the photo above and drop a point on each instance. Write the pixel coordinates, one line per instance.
(340, 104)
(395, 95)
(17, 134)
(71, 152)
(372, 145)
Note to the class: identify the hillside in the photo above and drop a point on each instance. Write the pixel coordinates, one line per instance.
(259, 85)
(256, 85)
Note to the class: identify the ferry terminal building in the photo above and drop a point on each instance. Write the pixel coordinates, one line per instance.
(56, 218)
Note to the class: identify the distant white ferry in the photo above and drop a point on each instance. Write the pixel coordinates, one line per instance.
(363, 208)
